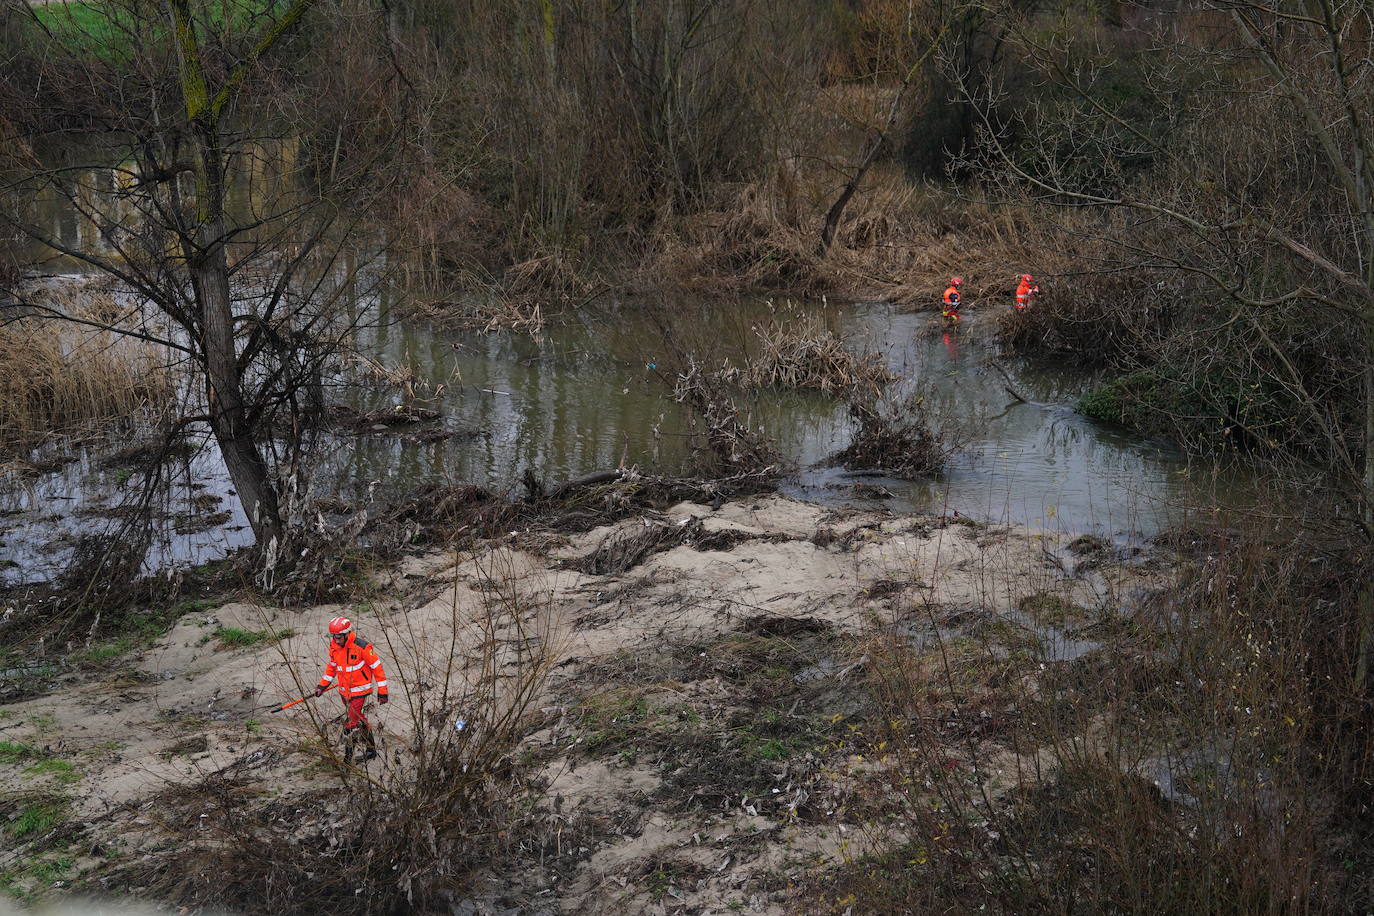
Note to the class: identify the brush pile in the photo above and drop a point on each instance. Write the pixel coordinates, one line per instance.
(899, 440)
(732, 445)
(625, 550)
(796, 350)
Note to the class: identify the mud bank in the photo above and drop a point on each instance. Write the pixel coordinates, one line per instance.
(705, 738)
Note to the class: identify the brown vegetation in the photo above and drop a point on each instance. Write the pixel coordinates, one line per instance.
(703, 144)
(732, 445)
(1211, 751)
(62, 379)
(899, 439)
(447, 798)
(794, 349)
(181, 113)
(1209, 735)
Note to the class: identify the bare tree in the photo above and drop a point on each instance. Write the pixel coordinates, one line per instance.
(1258, 184)
(187, 154)
(903, 48)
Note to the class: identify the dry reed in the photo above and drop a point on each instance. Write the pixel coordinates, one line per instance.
(794, 349)
(62, 379)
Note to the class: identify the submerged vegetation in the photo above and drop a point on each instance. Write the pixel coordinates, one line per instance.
(794, 349)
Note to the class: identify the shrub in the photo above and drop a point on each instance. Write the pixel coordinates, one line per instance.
(416, 824)
(1207, 758)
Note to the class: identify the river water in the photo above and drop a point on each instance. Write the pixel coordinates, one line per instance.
(587, 394)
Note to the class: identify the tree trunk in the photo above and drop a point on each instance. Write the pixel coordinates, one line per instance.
(550, 40)
(836, 211)
(871, 150)
(1366, 602)
(224, 389)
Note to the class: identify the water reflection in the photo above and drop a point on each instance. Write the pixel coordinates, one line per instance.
(588, 396)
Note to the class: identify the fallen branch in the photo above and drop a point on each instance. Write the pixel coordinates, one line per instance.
(1008, 387)
(586, 480)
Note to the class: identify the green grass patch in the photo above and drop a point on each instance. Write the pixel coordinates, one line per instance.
(61, 771)
(614, 718)
(14, 752)
(772, 736)
(625, 722)
(132, 629)
(99, 656)
(11, 884)
(50, 870)
(23, 884)
(99, 25)
(109, 30)
(1049, 609)
(766, 748)
(129, 630)
(37, 816)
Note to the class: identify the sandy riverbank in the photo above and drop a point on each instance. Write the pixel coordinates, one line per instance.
(700, 738)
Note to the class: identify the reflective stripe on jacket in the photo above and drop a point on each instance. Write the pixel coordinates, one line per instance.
(356, 666)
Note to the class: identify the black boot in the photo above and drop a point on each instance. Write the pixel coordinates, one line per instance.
(371, 752)
(348, 745)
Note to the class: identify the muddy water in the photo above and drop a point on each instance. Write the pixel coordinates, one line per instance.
(589, 395)
(584, 397)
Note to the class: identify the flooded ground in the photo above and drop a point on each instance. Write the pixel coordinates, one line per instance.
(589, 395)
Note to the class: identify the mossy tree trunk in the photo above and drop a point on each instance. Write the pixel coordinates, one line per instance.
(230, 417)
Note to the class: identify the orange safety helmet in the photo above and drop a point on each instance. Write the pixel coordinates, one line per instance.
(955, 281)
(340, 626)
(1026, 277)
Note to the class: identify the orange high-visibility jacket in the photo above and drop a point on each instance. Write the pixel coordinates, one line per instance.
(1023, 294)
(951, 309)
(357, 667)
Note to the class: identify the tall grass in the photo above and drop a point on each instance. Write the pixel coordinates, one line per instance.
(62, 379)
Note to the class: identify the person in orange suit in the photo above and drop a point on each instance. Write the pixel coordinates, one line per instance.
(1025, 292)
(356, 669)
(950, 311)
